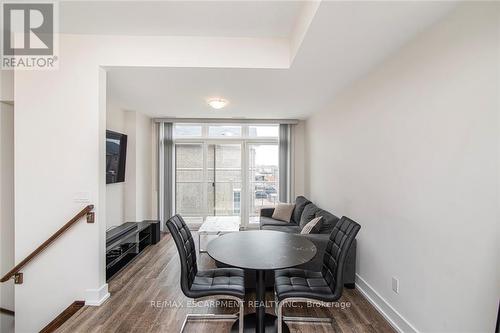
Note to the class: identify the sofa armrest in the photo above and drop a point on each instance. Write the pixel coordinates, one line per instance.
(267, 212)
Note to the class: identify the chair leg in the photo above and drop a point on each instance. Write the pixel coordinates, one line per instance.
(211, 316)
(276, 302)
(280, 317)
(208, 316)
(242, 315)
(308, 319)
(184, 324)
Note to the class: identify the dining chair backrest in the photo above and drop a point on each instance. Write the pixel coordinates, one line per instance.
(187, 251)
(334, 259)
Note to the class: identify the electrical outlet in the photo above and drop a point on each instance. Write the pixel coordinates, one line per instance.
(81, 197)
(395, 285)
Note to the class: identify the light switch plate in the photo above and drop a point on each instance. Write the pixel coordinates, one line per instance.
(395, 285)
(82, 197)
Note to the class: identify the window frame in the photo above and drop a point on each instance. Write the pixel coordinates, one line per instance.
(188, 124)
(245, 140)
(245, 133)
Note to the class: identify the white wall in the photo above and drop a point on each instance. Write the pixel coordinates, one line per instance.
(6, 212)
(130, 185)
(115, 193)
(6, 86)
(131, 200)
(144, 168)
(60, 151)
(411, 152)
(298, 160)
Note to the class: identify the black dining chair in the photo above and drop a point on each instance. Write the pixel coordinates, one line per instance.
(320, 288)
(215, 284)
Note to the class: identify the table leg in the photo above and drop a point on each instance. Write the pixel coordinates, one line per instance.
(261, 301)
(260, 321)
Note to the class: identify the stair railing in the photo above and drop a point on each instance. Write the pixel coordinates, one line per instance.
(15, 272)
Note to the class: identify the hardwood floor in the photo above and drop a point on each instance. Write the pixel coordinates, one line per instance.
(146, 297)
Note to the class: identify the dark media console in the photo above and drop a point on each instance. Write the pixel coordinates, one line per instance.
(127, 241)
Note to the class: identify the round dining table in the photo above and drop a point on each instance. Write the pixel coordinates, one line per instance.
(261, 251)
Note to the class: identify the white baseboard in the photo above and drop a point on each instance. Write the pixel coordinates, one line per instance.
(95, 297)
(400, 323)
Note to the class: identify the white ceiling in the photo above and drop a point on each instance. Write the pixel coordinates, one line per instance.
(344, 41)
(180, 18)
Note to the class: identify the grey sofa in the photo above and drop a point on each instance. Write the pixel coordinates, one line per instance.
(305, 211)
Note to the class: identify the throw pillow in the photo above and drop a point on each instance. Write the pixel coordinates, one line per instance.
(308, 214)
(328, 223)
(313, 226)
(283, 212)
(300, 203)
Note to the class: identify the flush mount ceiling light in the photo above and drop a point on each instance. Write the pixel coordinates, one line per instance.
(217, 103)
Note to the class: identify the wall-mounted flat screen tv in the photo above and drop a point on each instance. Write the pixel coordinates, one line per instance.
(116, 155)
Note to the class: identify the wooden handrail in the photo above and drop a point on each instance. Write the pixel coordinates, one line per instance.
(7, 311)
(87, 211)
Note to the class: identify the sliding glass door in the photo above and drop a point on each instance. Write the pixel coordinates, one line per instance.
(225, 170)
(208, 180)
(190, 181)
(224, 179)
(263, 177)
